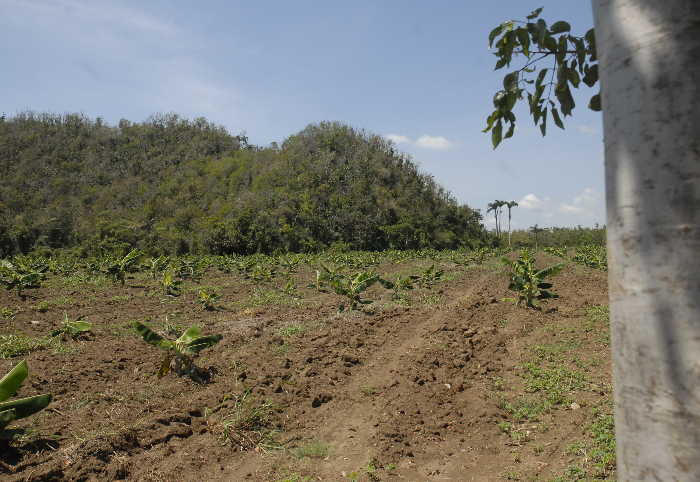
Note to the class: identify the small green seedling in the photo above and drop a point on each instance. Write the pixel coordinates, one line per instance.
(157, 265)
(350, 287)
(528, 281)
(118, 268)
(19, 277)
(20, 408)
(171, 286)
(180, 352)
(429, 277)
(73, 329)
(208, 299)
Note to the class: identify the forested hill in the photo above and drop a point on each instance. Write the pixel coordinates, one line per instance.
(169, 185)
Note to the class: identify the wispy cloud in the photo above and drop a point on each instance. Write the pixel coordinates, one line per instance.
(532, 201)
(434, 142)
(438, 143)
(586, 202)
(587, 129)
(398, 139)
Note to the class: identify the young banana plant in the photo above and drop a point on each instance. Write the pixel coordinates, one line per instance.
(72, 329)
(20, 408)
(529, 282)
(118, 268)
(208, 299)
(170, 284)
(179, 353)
(19, 277)
(352, 287)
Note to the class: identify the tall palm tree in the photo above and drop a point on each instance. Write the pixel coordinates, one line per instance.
(494, 207)
(510, 205)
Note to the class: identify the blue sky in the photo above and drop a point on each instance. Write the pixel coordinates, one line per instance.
(417, 72)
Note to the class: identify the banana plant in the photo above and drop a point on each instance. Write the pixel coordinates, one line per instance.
(429, 277)
(72, 328)
(118, 268)
(179, 353)
(208, 299)
(528, 282)
(351, 287)
(20, 408)
(19, 277)
(171, 285)
(157, 265)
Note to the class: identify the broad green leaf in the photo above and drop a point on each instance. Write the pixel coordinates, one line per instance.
(501, 63)
(595, 104)
(540, 76)
(199, 344)
(557, 119)
(496, 134)
(535, 13)
(151, 337)
(192, 333)
(560, 27)
(510, 81)
(541, 32)
(524, 39)
(543, 124)
(24, 407)
(11, 382)
(495, 33)
(511, 131)
(590, 75)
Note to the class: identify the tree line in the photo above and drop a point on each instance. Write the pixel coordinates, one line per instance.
(172, 185)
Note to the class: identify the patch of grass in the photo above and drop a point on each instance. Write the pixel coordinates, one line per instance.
(596, 316)
(526, 408)
(7, 313)
(45, 305)
(115, 300)
(555, 351)
(12, 345)
(555, 383)
(368, 391)
(603, 451)
(312, 450)
(262, 297)
(296, 478)
(291, 330)
(431, 299)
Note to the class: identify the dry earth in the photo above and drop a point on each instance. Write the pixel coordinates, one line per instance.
(459, 385)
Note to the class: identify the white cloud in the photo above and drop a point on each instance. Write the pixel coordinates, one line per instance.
(438, 143)
(531, 201)
(433, 142)
(398, 139)
(587, 129)
(584, 203)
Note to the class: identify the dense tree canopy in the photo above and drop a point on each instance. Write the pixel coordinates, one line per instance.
(177, 186)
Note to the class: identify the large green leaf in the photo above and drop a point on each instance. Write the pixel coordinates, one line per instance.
(11, 382)
(189, 335)
(151, 337)
(24, 407)
(202, 342)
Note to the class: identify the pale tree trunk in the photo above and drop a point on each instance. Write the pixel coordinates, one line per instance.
(509, 246)
(649, 54)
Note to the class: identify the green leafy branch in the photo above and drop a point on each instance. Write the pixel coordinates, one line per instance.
(574, 60)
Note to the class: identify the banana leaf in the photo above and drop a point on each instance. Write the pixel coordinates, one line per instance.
(24, 407)
(11, 382)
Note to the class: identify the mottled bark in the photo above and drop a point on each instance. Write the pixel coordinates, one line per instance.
(649, 55)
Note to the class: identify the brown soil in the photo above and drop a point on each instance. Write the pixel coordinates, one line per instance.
(403, 393)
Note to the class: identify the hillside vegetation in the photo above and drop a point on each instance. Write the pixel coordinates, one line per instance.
(170, 185)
